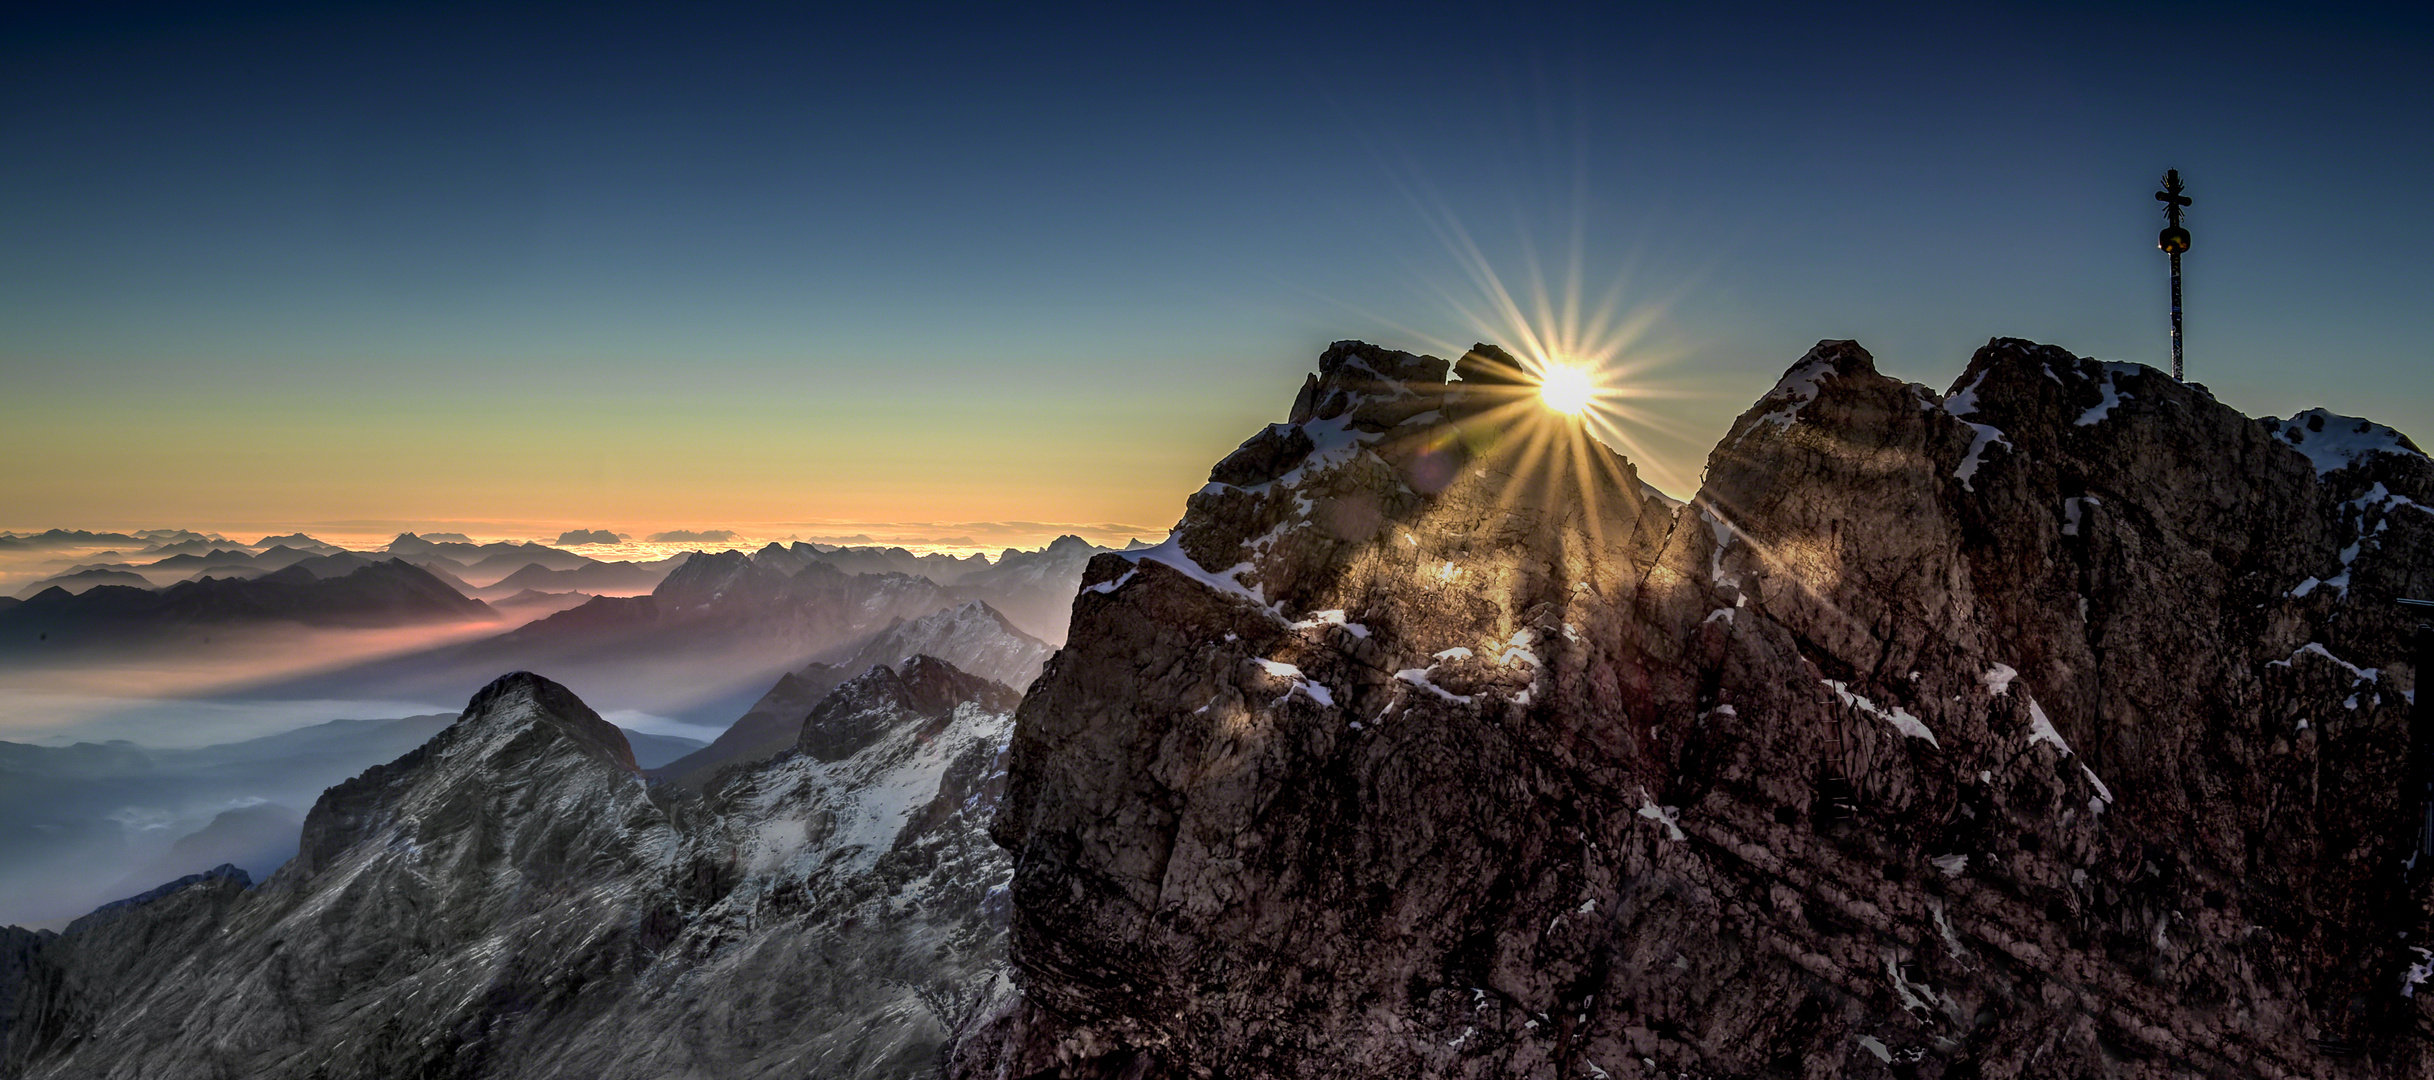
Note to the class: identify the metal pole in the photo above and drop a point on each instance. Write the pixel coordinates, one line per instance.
(2176, 317)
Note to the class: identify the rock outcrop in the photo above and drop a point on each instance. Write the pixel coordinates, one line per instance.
(2054, 725)
(512, 900)
(972, 636)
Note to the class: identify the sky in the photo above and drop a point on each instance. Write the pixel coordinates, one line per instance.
(745, 266)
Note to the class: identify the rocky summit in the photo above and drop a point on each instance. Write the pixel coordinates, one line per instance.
(2054, 725)
(512, 900)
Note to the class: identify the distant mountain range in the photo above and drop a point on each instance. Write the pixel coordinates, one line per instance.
(64, 538)
(597, 578)
(972, 635)
(82, 580)
(698, 636)
(358, 594)
(700, 647)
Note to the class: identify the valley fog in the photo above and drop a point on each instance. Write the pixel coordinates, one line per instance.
(174, 700)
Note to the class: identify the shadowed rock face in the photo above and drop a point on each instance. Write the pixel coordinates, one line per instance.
(511, 900)
(868, 705)
(2049, 726)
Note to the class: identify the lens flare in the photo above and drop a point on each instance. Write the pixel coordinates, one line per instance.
(1565, 389)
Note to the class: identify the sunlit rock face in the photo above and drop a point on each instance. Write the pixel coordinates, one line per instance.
(2053, 725)
(512, 900)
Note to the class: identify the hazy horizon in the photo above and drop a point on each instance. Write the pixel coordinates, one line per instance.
(962, 538)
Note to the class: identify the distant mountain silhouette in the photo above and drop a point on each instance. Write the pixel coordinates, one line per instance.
(191, 544)
(500, 564)
(534, 604)
(282, 556)
(391, 593)
(211, 555)
(701, 646)
(1034, 589)
(943, 569)
(64, 538)
(299, 541)
(82, 580)
(593, 577)
(972, 636)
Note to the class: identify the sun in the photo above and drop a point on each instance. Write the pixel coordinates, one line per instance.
(1565, 389)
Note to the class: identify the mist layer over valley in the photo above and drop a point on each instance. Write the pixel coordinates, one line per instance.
(172, 700)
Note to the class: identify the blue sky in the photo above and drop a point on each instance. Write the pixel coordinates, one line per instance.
(700, 266)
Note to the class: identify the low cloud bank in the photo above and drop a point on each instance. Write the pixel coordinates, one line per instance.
(689, 536)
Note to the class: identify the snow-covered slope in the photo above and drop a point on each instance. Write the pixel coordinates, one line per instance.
(2332, 441)
(972, 636)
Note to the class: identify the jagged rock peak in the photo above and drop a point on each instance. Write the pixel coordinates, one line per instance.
(1489, 364)
(1378, 441)
(865, 706)
(2053, 725)
(1351, 373)
(1779, 407)
(521, 697)
(934, 687)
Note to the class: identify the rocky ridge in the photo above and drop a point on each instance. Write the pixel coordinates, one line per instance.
(2052, 725)
(512, 899)
(971, 637)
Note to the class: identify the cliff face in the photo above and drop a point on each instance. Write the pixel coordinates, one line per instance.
(2054, 725)
(512, 900)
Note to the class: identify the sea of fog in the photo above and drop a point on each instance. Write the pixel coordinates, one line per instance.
(122, 769)
(55, 718)
(107, 796)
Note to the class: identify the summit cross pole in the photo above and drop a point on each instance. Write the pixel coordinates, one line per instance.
(2173, 240)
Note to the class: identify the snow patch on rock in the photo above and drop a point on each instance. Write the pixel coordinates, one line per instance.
(2333, 442)
(2112, 395)
(1792, 393)
(1670, 817)
(1901, 720)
